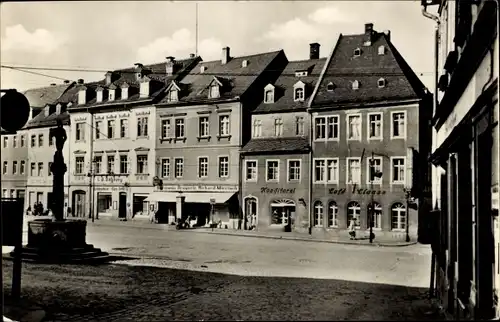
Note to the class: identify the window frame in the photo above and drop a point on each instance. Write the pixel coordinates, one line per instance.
(296, 90)
(145, 164)
(227, 124)
(167, 128)
(40, 140)
(79, 131)
(300, 125)
(257, 128)
(335, 214)
(267, 170)
(256, 170)
(183, 127)
(127, 170)
(347, 117)
(358, 226)
(110, 129)
(278, 125)
(318, 217)
(22, 167)
(315, 133)
(401, 223)
(405, 128)
(202, 125)
(142, 126)
(403, 180)
(219, 163)
(380, 180)
(198, 172)
(124, 127)
(175, 167)
(368, 126)
(97, 129)
(271, 99)
(348, 168)
(77, 159)
(168, 167)
(112, 156)
(288, 161)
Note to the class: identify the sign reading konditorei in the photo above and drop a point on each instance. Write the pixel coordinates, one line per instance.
(276, 190)
(355, 190)
(201, 187)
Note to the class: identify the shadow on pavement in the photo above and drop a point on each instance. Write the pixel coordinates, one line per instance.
(131, 293)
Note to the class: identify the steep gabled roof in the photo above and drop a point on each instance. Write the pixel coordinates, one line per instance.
(288, 144)
(344, 68)
(284, 86)
(235, 78)
(39, 97)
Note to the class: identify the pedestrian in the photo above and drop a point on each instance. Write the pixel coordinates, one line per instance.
(352, 230)
(28, 211)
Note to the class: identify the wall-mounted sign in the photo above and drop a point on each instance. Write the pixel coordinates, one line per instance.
(276, 190)
(109, 179)
(110, 188)
(200, 187)
(356, 191)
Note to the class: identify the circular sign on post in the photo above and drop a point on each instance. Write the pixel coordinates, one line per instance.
(15, 111)
(212, 201)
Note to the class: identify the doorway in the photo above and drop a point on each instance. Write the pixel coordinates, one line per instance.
(251, 213)
(79, 203)
(282, 212)
(122, 205)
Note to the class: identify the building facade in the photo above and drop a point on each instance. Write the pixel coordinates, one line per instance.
(369, 138)
(466, 158)
(113, 139)
(202, 123)
(275, 162)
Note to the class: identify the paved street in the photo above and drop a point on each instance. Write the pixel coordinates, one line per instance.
(216, 277)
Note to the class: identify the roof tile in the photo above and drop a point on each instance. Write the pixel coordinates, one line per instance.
(289, 144)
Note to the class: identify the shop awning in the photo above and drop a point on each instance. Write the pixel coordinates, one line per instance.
(161, 196)
(204, 197)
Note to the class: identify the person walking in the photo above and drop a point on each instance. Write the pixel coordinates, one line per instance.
(352, 229)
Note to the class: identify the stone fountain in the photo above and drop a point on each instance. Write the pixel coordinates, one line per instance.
(57, 239)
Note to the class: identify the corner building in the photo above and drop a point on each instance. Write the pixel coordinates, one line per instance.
(275, 166)
(369, 115)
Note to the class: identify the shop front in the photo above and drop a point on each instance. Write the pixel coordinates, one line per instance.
(110, 202)
(201, 203)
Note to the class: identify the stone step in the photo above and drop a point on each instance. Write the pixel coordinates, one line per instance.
(89, 255)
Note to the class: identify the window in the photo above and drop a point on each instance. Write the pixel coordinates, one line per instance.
(398, 129)
(333, 127)
(40, 168)
(375, 126)
(40, 140)
(319, 170)
(142, 126)
(165, 168)
(299, 94)
(173, 95)
(14, 141)
(204, 127)
(326, 170)
(330, 87)
(257, 128)
(5, 167)
(33, 141)
(318, 214)
(80, 132)
(5, 193)
(124, 128)
(22, 168)
(398, 216)
(23, 141)
(381, 83)
(398, 170)
(79, 162)
(98, 164)
(251, 170)
(5, 141)
(123, 164)
(374, 166)
(179, 167)
(357, 52)
(327, 128)
(214, 91)
(111, 95)
(33, 168)
(272, 170)
(333, 212)
(354, 127)
(98, 125)
(299, 125)
(355, 85)
(294, 170)
(353, 170)
(353, 212)
(320, 128)
(224, 125)
(49, 169)
(223, 167)
(278, 127)
(269, 96)
(179, 128)
(165, 129)
(202, 167)
(111, 164)
(377, 215)
(142, 164)
(381, 50)
(111, 129)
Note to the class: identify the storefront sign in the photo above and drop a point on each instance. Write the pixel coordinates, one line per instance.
(110, 188)
(201, 187)
(357, 191)
(276, 190)
(109, 179)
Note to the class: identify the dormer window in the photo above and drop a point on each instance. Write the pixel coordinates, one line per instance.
(124, 88)
(69, 105)
(82, 96)
(357, 52)
(244, 63)
(144, 89)
(269, 94)
(202, 69)
(99, 94)
(355, 85)
(173, 95)
(381, 50)
(299, 91)
(139, 76)
(111, 96)
(214, 91)
(301, 73)
(381, 83)
(330, 87)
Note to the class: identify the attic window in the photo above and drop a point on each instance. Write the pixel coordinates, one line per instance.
(299, 94)
(111, 95)
(381, 82)
(355, 85)
(173, 95)
(139, 75)
(357, 52)
(330, 87)
(202, 69)
(214, 91)
(381, 50)
(301, 73)
(244, 63)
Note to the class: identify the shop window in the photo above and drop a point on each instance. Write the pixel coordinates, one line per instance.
(282, 211)
(333, 212)
(377, 215)
(318, 214)
(398, 216)
(354, 212)
(104, 203)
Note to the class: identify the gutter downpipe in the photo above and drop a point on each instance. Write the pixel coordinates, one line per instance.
(433, 277)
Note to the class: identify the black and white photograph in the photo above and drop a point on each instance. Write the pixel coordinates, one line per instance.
(249, 160)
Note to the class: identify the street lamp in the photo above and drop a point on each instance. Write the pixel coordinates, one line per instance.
(371, 208)
(91, 175)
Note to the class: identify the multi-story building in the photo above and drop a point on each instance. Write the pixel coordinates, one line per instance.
(369, 115)
(113, 138)
(466, 158)
(275, 165)
(201, 124)
(14, 148)
(41, 150)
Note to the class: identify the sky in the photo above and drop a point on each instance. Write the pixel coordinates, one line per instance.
(101, 36)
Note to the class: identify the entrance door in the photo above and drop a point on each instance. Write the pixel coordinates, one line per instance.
(282, 213)
(79, 203)
(122, 205)
(251, 213)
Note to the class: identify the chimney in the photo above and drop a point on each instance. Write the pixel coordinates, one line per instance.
(225, 55)
(367, 39)
(314, 51)
(192, 55)
(46, 111)
(80, 81)
(169, 66)
(387, 34)
(66, 82)
(109, 78)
